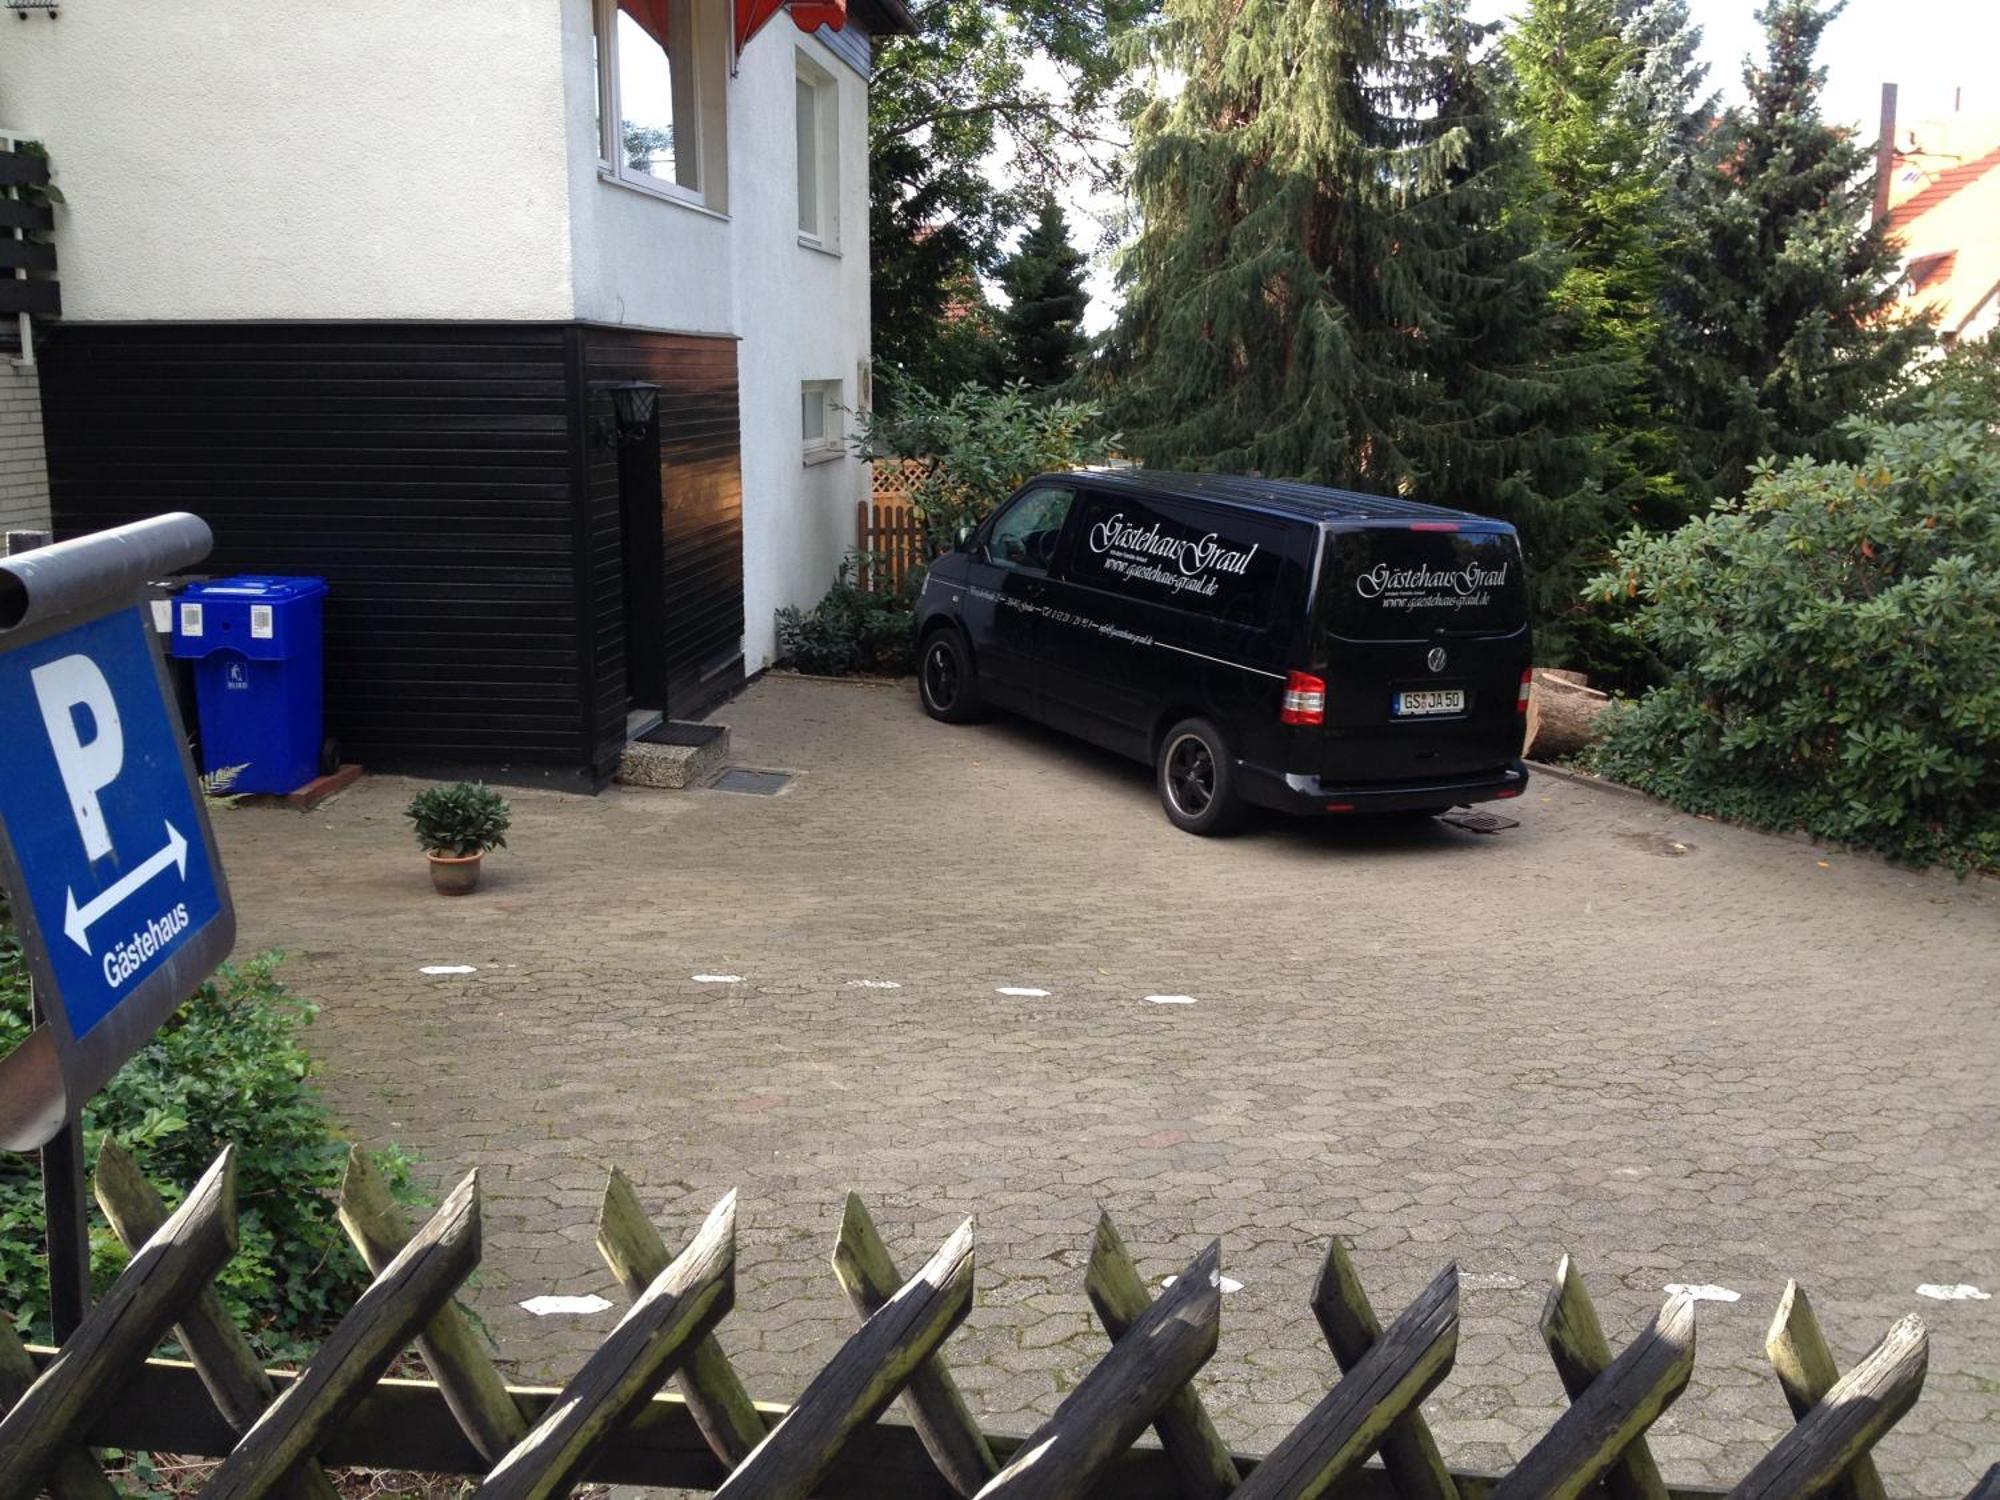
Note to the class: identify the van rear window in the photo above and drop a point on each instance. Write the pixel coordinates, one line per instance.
(1392, 583)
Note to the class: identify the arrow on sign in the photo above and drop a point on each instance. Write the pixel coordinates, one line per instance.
(78, 920)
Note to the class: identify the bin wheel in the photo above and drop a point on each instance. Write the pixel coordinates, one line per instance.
(329, 756)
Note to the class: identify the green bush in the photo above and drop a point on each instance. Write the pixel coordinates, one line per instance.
(850, 629)
(228, 1068)
(975, 447)
(1830, 646)
(459, 818)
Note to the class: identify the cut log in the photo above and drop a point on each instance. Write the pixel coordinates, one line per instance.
(1562, 715)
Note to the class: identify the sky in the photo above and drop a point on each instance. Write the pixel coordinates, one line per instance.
(1928, 48)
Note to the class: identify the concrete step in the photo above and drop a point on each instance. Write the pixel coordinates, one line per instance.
(674, 755)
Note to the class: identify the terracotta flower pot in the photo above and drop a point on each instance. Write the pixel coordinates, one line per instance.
(454, 874)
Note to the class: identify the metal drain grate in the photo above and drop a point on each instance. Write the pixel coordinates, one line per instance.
(1479, 822)
(751, 783)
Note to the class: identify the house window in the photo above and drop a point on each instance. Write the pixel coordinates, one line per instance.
(816, 102)
(657, 97)
(819, 419)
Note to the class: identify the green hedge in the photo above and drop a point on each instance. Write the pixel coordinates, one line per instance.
(1829, 645)
(230, 1067)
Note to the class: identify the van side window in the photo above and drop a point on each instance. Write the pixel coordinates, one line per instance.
(1219, 564)
(1026, 533)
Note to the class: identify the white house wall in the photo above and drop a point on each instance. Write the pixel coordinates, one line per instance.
(231, 159)
(799, 313)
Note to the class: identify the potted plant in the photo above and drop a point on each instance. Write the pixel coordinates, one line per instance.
(456, 824)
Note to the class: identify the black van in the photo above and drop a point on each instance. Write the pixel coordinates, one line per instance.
(1308, 649)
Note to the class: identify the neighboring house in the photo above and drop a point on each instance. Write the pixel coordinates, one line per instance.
(532, 325)
(1944, 208)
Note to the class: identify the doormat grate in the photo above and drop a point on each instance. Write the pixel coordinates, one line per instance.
(751, 783)
(1478, 822)
(674, 732)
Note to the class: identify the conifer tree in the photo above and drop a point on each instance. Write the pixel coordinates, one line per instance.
(1042, 324)
(1665, 85)
(1783, 302)
(1604, 186)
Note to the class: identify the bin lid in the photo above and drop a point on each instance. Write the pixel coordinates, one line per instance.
(260, 587)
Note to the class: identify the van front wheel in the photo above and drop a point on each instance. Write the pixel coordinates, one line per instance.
(944, 679)
(1197, 779)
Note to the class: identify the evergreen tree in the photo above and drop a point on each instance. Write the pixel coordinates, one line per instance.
(1783, 303)
(1664, 85)
(1043, 321)
(1605, 203)
(1336, 278)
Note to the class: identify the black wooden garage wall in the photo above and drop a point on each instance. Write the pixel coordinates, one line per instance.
(434, 474)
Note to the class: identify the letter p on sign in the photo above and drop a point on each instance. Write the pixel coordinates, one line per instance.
(61, 688)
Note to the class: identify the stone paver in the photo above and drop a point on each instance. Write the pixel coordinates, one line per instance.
(1683, 1051)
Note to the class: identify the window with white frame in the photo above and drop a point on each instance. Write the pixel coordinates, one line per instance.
(659, 97)
(817, 112)
(819, 419)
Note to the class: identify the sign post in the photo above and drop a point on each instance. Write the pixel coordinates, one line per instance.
(106, 853)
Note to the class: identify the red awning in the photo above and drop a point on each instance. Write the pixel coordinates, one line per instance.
(651, 16)
(807, 15)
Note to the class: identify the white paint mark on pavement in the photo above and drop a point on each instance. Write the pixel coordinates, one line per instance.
(1015, 989)
(448, 969)
(1228, 1286)
(1490, 1281)
(1702, 1291)
(1958, 1291)
(1170, 999)
(873, 984)
(718, 979)
(543, 1307)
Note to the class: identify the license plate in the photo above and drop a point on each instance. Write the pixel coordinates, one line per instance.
(1434, 701)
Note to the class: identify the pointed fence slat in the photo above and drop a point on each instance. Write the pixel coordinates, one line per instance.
(857, 1385)
(1401, 1368)
(716, 1398)
(161, 1282)
(867, 1273)
(1347, 1321)
(228, 1366)
(1616, 1407)
(448, 1345)
(1581, 1353)
(1799, 1353)
(1847, 1421)
(685, 1301)
(1201, 1460)
(1124, 1392)
(76, 1475)
(401, 1300)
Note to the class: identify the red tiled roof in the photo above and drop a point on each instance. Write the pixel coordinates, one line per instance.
(1931, 270)
(1948, 182)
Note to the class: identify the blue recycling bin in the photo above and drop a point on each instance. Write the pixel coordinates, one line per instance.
(257, 644)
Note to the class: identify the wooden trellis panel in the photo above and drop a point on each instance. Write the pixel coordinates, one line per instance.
(271, 1429)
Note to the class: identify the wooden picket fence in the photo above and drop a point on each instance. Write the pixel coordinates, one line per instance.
(891, 540)
(273, 1431)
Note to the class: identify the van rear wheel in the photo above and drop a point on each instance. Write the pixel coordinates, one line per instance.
(1197, 779)
(945, 681)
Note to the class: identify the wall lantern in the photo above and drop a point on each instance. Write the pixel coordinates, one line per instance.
(633, 405)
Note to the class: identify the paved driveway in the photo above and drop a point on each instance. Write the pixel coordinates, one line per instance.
(1686, 1053)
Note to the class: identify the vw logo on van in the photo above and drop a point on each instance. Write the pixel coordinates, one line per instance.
(1435, 661)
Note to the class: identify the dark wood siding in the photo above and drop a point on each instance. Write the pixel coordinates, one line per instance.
(425, 470)
(701, 488)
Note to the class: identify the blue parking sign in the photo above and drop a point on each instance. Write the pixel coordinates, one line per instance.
(105, 844)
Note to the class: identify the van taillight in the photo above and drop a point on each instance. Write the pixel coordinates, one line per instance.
(1521, 698)
(1305, 700)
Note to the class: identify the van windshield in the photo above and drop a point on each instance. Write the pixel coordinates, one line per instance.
(1387, 583)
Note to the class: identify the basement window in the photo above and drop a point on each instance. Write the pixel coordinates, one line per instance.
(819, 420)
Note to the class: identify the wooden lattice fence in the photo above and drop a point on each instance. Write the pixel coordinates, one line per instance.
(272, 1431)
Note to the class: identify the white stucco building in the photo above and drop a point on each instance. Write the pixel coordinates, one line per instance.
(358, 283)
